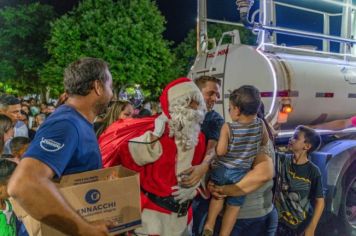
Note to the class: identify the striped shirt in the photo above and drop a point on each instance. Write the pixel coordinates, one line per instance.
(243, 145)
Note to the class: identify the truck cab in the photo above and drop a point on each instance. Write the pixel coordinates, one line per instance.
(304, 64)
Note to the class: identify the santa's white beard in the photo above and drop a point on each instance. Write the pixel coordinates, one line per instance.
(184, 125)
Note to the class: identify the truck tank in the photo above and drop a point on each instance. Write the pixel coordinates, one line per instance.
(317, 88)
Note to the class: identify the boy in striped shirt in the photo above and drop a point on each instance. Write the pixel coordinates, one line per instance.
(237, 148)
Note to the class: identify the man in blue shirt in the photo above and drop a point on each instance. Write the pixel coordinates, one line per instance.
(65, 144)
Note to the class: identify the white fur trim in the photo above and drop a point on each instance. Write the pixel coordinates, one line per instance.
(182, 89)
(143, 153)
(158, 223)
(184, 159)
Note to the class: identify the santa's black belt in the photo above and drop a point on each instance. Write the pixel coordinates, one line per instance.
(169, 203)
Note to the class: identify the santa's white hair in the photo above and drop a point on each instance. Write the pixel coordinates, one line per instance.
(185, 122)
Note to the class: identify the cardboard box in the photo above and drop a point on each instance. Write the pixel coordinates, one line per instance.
(111, 194)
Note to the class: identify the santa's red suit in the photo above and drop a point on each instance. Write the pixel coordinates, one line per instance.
(159, 166)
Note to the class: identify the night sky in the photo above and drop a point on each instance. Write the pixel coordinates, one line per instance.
(180, 15)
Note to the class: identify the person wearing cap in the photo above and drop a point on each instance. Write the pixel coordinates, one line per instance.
(163, 148)
(65, 144)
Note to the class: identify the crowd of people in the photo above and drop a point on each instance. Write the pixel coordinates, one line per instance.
(199, 175)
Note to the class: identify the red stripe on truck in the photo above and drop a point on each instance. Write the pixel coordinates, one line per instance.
(220, 53)
(281, 93)
(324, 95)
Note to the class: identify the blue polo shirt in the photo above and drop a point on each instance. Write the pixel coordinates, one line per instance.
(66, 142)
(211, 126)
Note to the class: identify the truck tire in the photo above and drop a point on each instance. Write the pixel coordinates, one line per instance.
(347, 213)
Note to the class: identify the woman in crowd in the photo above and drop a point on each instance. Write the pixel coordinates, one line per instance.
(6, 130)
(62, 99)
(118, 110)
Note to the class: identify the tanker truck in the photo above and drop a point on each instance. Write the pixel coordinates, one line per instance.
(300, 83)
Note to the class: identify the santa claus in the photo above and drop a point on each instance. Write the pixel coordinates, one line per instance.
(161, 149)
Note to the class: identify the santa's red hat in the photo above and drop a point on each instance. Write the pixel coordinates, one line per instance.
(178, 88)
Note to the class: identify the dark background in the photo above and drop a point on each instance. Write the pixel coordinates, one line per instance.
(181, 17)
(180, 14)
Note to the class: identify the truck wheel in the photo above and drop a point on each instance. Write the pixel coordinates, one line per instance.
(347, 213)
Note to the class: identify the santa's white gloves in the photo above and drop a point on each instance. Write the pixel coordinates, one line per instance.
(160, 124)
(182, 194)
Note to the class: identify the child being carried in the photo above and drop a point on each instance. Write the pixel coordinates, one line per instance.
(237, 148)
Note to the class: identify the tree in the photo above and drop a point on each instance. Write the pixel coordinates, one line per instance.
(23, 32)
(126, 33)
(10, 3)
(185, 52)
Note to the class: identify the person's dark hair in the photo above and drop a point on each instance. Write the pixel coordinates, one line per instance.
(7, 167)
(5, 125)
(247, 98)
(24, 114)
(17, 143)
(261, 115)
(144, 113)
(202, 80)
(31, 99)
(261, 111)
(311, 137)
(80, 75)
(61, 99)
(7, 100)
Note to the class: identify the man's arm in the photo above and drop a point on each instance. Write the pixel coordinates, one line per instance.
(31, 186)
(334, 125)
(318, 211)
(195, 173)
(261, 172)
(212, 131)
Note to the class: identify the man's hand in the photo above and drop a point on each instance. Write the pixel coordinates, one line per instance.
(97, 229)
(216, 190)
(194, 174)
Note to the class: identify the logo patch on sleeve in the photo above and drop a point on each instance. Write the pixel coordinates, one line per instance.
(50, 145)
